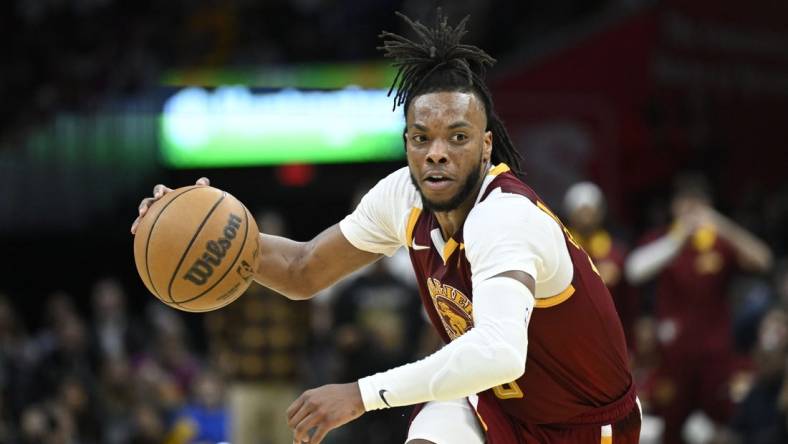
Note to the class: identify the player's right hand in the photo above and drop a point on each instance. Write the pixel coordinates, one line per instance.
(158, 192)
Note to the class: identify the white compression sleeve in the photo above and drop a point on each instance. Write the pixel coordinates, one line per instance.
(493, 352)
(647, 261)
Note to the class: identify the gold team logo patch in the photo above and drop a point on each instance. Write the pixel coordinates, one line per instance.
(453, 307)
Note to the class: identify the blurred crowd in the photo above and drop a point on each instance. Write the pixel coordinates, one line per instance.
(703, 309)
(109, 377)
(66, 55)
(701, 300)
(116, 375)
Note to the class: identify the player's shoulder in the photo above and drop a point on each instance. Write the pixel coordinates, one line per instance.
(398, 187)
(506, 214)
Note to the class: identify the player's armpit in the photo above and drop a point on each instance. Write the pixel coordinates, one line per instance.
(521, 277)
(298, 270)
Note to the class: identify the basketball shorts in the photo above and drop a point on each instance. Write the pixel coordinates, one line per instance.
(457, 422)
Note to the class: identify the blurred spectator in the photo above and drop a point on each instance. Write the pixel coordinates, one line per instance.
(176, 359)
(204, 419)
(171, 354)
(70, 356)
(161, 377)
(116, 397)
(585, 208)
(115, 334)
(645, 363)
(781, 284)
(258, 342)
(157, 390)
(47, 423)
(148, 425)
(14, 363)
(693, 262)
(77, 401)
(378, 325)
(759, 418)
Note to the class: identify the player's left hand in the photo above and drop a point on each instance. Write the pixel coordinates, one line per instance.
(320, 410)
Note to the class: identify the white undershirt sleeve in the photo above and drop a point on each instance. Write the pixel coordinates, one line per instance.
(493, 352)
(508, 232)
(378, 223)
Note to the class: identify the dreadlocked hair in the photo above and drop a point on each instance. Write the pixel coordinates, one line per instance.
(440, 63)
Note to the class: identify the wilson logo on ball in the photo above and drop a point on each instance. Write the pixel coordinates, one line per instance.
(215, 251)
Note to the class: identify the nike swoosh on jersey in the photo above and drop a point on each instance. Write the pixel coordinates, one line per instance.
(382, 393)
(416, 246)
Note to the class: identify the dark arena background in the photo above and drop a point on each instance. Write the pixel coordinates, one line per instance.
(283, 103)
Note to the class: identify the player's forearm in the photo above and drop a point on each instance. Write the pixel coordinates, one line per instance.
(649, 260)
(490, 354)
(299, 270)
(468, 365)
(280, 264)
(753, 253)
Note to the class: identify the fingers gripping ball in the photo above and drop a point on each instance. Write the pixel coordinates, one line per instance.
(195, 248)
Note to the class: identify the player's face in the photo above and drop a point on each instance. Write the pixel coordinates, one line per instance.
(448, 147)
(684, 205)
(586, 218)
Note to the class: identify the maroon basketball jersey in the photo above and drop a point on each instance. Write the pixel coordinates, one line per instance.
(576, 369)
(691, 294)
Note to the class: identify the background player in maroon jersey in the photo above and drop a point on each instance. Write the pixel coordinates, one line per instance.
(499, 276)
(692, 263)
(585, 208)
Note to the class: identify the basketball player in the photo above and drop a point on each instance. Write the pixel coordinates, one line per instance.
(692, 264)
(534, 349)
(584, 209)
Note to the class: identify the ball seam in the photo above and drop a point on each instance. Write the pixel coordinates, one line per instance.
(188, 247)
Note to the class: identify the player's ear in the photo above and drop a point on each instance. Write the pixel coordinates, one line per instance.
(487, 148)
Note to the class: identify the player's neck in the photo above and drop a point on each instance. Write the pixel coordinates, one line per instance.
(451, 221)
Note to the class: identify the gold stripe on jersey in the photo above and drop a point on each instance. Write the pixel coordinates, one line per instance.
(552, 215)
(499, 169)
(448, 249)
(568, 234)
(414, 216)
(481, 420)
(552, 301)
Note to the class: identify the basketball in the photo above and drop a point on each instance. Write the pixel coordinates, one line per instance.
(195, 248)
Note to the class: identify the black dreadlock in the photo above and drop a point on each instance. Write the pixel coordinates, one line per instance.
(441, 63)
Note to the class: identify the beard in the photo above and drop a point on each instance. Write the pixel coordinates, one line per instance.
(467, 187)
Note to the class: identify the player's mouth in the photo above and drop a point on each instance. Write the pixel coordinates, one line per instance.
(436, 181)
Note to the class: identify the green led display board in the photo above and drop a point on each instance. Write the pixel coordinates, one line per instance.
(307, 75)
(234, 126)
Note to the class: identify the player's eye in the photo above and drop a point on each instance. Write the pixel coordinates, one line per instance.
(419, 138)
(459, 137)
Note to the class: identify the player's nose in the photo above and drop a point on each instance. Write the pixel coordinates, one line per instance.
(437, 152)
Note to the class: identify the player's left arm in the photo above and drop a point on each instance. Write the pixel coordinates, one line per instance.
(490, 354)
(504, 260)
(752, 253)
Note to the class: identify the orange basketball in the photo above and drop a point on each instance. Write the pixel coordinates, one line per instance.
(195, 248)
